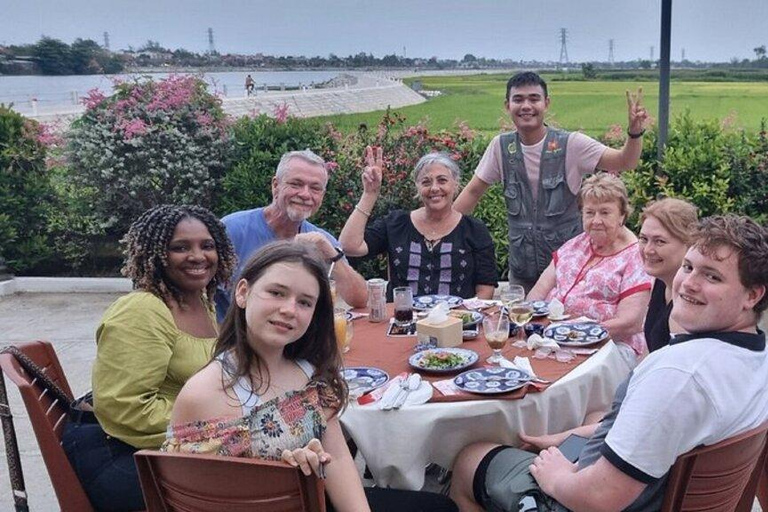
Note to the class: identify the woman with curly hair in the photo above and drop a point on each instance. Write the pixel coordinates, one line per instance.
(274, 389)
(149, 343)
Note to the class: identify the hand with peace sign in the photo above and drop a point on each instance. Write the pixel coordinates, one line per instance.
(374, 166)
(638, 116)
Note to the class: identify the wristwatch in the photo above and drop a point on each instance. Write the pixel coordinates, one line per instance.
(339, 255)
(635, 135)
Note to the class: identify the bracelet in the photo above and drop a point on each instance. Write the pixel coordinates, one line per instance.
(367, 214)
(635, 135)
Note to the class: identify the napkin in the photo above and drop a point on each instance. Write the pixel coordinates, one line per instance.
(536, 341)
(476, 304)
(519, 363)
(438, 314)
(556, 308)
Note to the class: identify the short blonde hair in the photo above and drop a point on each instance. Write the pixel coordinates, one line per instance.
(603, 188)
(675, 215)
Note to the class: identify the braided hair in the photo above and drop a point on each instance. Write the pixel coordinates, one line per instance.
(146, 250)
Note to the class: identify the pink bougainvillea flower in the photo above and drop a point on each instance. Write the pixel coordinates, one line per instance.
(93, 98)
(281, 113)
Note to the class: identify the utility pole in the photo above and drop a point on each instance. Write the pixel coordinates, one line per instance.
(211, 47)
(106, 41)
(563, 48)
(652, 48)
(610, 51)
(682, 55)
(666, 37)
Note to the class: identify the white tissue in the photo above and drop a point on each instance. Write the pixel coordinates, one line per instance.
(535, 341)
(556, 308)
(438, 314)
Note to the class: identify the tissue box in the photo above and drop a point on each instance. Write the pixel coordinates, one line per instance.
(447, 333)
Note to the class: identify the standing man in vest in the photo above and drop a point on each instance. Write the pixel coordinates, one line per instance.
(540, 169)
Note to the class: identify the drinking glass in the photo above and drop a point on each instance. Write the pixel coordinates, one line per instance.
(343, 328)
(520, 313)
(515, 293)
(332, 283)
(496, 329)
(403, 298)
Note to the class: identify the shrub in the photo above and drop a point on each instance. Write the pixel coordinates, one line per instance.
(25, 191)
(259, 143)
(696, 167)
(148, 143)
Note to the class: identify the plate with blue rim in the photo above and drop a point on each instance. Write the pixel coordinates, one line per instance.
(492, 380)
(443, 360)
(576, 334)
(362, 379)
(540, 307)
(430, 301)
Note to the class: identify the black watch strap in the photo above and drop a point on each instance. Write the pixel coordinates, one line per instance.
(339, 255)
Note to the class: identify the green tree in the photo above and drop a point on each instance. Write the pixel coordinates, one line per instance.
(53, 56)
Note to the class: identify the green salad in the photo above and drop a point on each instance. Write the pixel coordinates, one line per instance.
(440, 360)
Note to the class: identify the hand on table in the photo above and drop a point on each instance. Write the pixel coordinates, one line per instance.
(550, 467)
(374, 167)
(638, 116)
(309, 459)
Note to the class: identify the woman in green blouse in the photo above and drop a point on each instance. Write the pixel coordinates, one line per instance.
(149, 343)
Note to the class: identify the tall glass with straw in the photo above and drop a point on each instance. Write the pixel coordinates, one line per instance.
(496, 330)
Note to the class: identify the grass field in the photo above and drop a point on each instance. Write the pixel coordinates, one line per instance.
(588, 106)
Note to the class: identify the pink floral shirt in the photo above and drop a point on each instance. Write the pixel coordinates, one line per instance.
(596, 291)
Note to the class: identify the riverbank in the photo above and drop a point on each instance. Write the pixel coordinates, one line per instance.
(361, 92)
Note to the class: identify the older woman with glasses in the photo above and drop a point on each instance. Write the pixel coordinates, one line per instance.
(599, 273)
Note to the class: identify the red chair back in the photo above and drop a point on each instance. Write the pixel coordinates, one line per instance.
(722, 477)
(48, 417)
(185, 482)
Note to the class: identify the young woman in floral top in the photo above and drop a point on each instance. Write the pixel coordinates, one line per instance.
(274, 388)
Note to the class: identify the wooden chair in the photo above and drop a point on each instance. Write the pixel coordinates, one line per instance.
(185, 482)
(722, 477)
(48, 416)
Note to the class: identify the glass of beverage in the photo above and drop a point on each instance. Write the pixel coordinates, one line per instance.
(520, 313)
(403, 297)
(515, 293)
(332, 283)
(343, 327)
(496, 329)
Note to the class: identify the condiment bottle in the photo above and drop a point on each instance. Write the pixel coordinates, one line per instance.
(377, 300)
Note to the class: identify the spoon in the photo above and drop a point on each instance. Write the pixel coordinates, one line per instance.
(412, 384)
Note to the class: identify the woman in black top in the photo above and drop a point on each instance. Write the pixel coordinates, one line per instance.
(433, 249)
(666, 232)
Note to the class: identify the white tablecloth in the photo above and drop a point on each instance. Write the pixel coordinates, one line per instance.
(398, 444)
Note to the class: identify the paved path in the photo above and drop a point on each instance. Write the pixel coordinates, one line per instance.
(369, 92)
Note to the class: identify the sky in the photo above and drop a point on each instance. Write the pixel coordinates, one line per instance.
(706, 30)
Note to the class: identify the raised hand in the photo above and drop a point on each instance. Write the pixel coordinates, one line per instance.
(319, 241)
(638, 116)
(374, 166)
(309, 459)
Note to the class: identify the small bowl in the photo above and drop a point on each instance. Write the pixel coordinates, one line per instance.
(469, 334)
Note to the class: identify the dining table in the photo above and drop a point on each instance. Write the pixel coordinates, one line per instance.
(398, 444)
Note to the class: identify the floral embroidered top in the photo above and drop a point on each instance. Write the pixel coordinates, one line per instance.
(289, 421)
(595, 291)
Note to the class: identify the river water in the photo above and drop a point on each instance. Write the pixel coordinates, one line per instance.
(63, 92)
